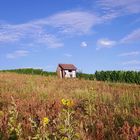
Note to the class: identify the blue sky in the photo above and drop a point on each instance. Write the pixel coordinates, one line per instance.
(92, 34)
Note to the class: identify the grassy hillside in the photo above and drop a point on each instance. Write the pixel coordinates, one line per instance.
(39, 107)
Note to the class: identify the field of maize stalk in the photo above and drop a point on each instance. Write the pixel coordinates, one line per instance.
(47, 108)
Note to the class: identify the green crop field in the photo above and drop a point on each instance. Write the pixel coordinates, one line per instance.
(47, 108)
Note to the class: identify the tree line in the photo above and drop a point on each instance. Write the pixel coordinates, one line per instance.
(31, 71)
(110, 76)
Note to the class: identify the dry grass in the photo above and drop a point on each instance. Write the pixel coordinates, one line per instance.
(101, 110)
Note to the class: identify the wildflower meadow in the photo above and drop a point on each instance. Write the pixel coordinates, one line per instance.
(47, 108)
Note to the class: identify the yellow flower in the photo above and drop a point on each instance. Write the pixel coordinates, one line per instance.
(67, 102)
(1, 113)
(45, 120)
(64, 101)
(70, 103)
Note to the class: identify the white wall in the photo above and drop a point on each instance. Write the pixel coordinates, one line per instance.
(73, 73)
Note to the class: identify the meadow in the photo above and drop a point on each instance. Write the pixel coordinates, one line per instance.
(34, 107)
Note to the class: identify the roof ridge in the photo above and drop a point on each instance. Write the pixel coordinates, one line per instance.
(67, 66)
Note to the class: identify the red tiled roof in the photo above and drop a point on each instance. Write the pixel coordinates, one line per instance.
(67, 66)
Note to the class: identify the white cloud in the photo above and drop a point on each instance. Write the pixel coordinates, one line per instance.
(77, 22)
(48, 31)
(120, 7)
(28, 31)
(9, 33)
(17, 54)
(132, 62)
(83, 44)
(4, 37)
(134, 53)
(105, 43)
(42, 30)
(50, 40)
(67, 55)
(134, 36)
